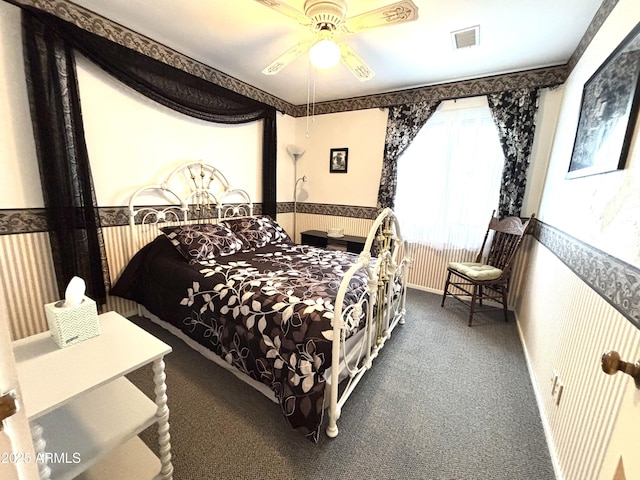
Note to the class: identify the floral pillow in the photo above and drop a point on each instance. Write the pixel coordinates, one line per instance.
(256, 232)
(202, 242)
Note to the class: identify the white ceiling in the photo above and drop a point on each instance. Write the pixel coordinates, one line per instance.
(241, 37)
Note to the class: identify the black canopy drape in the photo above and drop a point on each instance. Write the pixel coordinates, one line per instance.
(50, 44)
(77, 244)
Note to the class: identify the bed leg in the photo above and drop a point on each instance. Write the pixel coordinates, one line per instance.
(332, 428)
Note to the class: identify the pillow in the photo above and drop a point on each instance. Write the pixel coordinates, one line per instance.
(202, 242)
(256, 232)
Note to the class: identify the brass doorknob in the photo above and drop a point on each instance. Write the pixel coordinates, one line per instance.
(611, 363)
(7, 407)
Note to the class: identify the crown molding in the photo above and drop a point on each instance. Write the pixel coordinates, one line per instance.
(536, 78)
(598, 19)
(99, 25)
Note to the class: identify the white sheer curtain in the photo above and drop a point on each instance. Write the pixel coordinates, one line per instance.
(449, 177)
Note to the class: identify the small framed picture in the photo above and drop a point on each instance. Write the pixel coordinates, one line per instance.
(338, 160)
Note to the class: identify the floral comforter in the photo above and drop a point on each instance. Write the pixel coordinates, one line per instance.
(267, 312)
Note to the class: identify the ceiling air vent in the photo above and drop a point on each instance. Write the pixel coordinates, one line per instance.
(469, 37)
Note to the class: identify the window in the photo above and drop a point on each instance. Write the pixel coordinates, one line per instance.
(449, 177)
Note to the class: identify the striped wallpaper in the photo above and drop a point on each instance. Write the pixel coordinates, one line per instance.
(551, 315)
(27, 281)
(27, 258)
(566, 327)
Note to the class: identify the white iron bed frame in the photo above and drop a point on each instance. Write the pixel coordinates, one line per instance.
(203, 194)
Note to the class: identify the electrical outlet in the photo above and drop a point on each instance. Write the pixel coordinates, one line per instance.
(555, 381)
(559, 393)
(557, 387)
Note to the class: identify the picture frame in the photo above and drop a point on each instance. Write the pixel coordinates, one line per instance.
(608, 112)
(338, 159)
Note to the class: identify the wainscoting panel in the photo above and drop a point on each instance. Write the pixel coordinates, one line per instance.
(28, 281)
(429, 266)
(566, 327)
(121, 244)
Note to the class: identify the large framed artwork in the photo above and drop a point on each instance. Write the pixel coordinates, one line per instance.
(608, 112)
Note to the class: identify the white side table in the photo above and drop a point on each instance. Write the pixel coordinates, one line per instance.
(85, 415)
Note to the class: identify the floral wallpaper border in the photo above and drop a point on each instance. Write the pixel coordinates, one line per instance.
(27, 220)
(538, 78)
(541, 78)
(599, 18)
(613, 279)
(32, 220)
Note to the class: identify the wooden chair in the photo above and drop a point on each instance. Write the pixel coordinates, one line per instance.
(488, 277)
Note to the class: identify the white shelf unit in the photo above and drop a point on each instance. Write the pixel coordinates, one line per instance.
(85, 415)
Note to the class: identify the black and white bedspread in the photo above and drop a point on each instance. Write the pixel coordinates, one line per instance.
(267, 312)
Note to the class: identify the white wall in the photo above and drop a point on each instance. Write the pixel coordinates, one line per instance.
(565, 325)
(18, 166)
(362, 132)
(132, 140)
(549, 104)
(602, 210)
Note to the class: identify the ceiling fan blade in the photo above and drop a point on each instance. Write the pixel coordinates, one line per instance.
(286, 9)
(354, 63)
(393, 14)
(287, 57)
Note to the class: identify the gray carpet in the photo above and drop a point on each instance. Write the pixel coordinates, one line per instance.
(442, 401)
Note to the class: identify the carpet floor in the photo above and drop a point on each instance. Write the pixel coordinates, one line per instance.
(442, 402)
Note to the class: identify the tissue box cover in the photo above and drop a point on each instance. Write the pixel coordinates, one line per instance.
(71, 325)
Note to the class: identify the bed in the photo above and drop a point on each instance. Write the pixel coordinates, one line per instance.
(302, 324)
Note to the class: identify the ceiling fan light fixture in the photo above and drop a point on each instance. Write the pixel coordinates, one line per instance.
(324, 54)
(326, 12)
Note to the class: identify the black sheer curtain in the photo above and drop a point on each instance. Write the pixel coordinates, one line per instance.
(76, 239)
(50, 44)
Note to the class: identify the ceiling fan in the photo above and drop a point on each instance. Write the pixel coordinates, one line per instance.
(328, 18)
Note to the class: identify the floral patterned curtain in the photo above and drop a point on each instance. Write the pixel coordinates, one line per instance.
(403, 124)
(514, 113)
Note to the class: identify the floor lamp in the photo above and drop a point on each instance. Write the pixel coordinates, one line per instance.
(296, 152)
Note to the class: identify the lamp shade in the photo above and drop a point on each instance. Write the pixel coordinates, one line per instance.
(295, 151)
(324, 54)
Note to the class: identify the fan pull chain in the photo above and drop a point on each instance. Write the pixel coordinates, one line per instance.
(311, 98)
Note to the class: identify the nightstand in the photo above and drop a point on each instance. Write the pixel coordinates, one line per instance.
(85, 415)
(318, 238)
